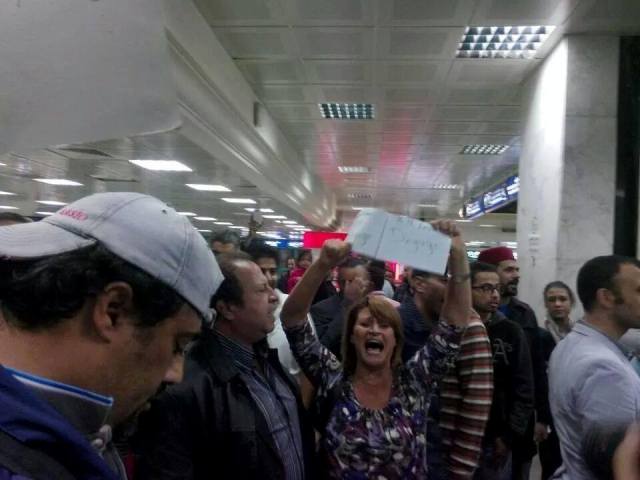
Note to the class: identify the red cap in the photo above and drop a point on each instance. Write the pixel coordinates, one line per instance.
(495, 255)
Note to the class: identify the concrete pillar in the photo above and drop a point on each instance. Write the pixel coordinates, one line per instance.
(568, 164)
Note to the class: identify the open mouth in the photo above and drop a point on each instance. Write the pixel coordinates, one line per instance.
(373, 346)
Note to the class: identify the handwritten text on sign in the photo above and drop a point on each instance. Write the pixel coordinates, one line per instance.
(385, 236)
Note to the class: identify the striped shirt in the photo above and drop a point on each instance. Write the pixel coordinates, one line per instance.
(276, 403)
(465, 400)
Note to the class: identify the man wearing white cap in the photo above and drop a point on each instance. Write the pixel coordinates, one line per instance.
(98, 302)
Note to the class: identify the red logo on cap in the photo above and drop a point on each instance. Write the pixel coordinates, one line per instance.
(75, 214)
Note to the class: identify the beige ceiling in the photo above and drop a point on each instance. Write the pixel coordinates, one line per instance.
(398, 55)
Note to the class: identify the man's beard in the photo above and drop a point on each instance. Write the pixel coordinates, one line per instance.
(510, 289)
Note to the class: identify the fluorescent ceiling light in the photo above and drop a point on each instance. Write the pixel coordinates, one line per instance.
(206, 219)
(3, 164)
(463, 221)
(238, 200)
(61, 182)
(187, 214)
(274, 216)
(207, 188)
(44, 213)
(262, 210)
(444, 186)
(358, 169)
(359, 196)
(53, 203)
(427, 205)
(502, 42)
(8, 207)
(162, 165)
(487, 226)
(204, 231)
(347, 111)
(484, 149)
(223, 223)
(289, 222)
(6, 193)
(239, 228)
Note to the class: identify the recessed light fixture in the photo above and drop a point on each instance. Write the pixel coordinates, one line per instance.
(347, 111)
(289, 222)
(3, 164)
(261, 210)
(44, 213)
(162, 165)
(274, 216)
(8, 207)
(502, 42)
(358, 208)
(238, 227)
(358, 169)
(206, 219)
(484, 149)
(463, 221)
(187, 214)
(61, 182)
(359, 196)
(207, 188)
(204, 230)
(487, 226)
(223, 223)
(53, 203)
(6, 193)
(238, 200)
(444, 186)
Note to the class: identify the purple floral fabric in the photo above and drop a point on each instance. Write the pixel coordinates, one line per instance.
(359, 443)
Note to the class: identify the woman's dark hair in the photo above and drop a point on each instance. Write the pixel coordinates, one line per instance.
(381, 309)
(39, 294)
(376, 270)
(559, 284)
(302, 254)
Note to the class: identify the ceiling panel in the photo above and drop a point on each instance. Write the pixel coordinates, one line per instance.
(264, 42)
(240, 12)
(330, 12)
(509, 12)
(435, 43)
(268, 72)
(425, 13)
(334, 43)
(337, 72)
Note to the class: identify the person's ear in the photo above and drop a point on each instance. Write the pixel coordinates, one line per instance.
(606, 298)
(112, 310)
(225, 310)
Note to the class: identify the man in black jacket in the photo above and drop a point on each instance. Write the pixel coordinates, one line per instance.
(522, 314)
(513, 398)
(238, 414)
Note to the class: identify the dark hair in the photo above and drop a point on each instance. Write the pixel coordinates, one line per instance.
(559, 284)
(421, 273)
(230, 290)
(13, 217)
(481, 267)
(38, 294)
(226, 236)
(258, 251)
(376, 271)
(303, 253)
(598, 273)
(380, 309)
(352, 262)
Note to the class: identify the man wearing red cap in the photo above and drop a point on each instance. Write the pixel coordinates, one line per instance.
(523, 315)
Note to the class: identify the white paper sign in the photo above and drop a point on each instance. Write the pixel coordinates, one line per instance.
(385, 236)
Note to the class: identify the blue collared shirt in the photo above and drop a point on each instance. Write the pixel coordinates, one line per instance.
(276, 402)
(592, 385)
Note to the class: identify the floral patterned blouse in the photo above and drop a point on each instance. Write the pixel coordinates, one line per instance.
(359, 443)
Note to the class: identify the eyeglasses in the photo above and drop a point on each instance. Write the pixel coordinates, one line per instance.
(488, 288)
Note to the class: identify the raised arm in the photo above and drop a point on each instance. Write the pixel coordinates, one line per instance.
(296, 307)
(456, 309)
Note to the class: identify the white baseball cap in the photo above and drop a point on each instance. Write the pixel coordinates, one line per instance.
(137, 228)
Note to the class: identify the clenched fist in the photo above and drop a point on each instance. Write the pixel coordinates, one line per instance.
(334, 252)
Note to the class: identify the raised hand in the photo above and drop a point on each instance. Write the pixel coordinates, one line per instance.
(334, 252)
(451, 229)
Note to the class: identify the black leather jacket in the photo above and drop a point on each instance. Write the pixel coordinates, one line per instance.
(210, 427)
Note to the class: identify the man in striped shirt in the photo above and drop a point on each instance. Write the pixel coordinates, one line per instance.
(460, 406)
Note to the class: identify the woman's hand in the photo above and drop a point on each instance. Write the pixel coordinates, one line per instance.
(334, 252)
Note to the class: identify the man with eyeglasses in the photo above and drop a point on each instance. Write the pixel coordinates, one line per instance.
(513, 399)
(522, 314)
(461, 404)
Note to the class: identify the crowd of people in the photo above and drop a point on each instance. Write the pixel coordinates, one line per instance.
(131, 349)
